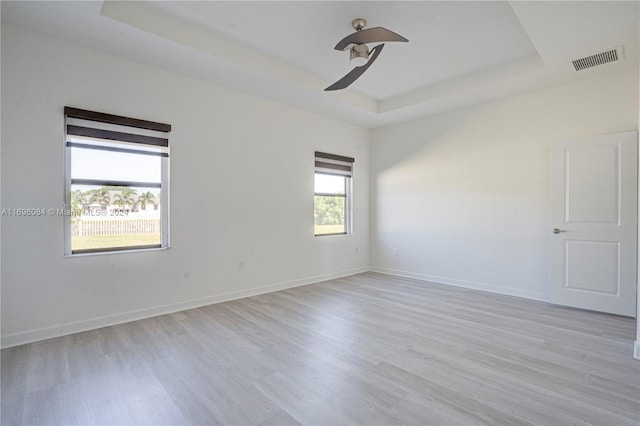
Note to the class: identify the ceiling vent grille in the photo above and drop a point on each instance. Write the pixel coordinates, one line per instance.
(600, 58)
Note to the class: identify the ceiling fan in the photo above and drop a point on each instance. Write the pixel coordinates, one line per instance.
(360, 51)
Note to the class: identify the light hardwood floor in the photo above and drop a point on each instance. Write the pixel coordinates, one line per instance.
(369, 349)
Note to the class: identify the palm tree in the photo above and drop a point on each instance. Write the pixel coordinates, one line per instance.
(99, 196)
(79, 201)
(147, 197)
(79, 198)
(126, 197)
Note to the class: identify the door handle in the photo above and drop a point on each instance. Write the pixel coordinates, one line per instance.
(558, 230)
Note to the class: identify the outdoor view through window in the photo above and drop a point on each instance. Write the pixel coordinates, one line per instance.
(330, 203)
(116, 184)
(110, 216)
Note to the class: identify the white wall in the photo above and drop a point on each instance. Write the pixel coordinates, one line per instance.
(241, 189)
(464, 196)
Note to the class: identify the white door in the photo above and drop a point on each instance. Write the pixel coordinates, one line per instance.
(594, 204)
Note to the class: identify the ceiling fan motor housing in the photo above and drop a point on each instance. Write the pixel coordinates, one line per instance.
(359, 52)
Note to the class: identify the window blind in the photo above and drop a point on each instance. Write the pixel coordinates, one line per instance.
(98, 125)
(334, 164)
(90, 130)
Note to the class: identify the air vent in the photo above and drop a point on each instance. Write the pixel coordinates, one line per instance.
(601, 58)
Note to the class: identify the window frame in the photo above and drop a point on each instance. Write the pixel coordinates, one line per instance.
(129, 142)
(336, 165)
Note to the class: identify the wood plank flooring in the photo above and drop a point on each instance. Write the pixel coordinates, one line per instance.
(369, 349)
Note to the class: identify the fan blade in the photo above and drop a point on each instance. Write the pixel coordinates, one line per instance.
(372, 35)
(355, 73)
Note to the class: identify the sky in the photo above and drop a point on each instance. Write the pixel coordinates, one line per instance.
(329, 184)
(98, 164)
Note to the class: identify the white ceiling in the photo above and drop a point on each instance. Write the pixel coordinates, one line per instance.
(459, 53)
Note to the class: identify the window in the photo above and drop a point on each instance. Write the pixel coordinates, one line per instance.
(116, 183)
(332, 194)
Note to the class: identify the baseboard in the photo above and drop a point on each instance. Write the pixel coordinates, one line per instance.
(108, 320)
(526, 294)
(636, 349)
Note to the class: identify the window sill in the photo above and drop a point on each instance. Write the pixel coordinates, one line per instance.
(102, 253)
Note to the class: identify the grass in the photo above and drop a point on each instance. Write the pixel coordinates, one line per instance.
(328, 229)
(106, 241)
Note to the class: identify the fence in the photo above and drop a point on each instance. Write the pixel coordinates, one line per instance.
(84, 228)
